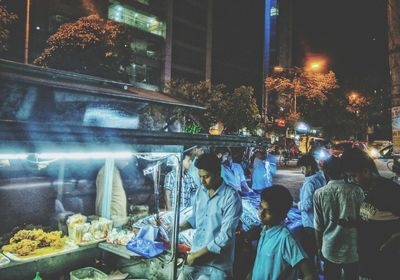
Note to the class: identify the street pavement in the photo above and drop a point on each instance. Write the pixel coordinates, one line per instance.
(290, 177)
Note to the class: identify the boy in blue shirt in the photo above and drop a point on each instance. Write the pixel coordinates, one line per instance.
(279, 256)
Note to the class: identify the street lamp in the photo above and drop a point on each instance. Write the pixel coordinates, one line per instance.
(315, 64)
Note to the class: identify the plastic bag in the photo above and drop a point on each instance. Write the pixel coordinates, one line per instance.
(144, 244)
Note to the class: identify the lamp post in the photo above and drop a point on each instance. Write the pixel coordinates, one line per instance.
(27, 27)
(312, 65)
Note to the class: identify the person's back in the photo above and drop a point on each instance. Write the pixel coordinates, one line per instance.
(333, 203)
(261, 173)
(337, 200)
(118, 209)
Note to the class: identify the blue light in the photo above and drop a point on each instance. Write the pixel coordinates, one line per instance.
(322, 154)
(302, 127)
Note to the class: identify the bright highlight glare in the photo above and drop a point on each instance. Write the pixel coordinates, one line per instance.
(85, 155)
(13, 156)
(374, 153)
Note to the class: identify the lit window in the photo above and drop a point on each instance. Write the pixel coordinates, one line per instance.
(136, 19)
(274, 11)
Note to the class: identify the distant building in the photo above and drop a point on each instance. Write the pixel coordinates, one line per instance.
(247, 45)
(172, 37)
(278, 40)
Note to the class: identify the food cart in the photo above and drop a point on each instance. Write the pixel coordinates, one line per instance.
(58, 132)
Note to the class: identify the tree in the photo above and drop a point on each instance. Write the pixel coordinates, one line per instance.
(235, 110)
(6, 19)
(91, 45)
(241, 109)
(296, 91)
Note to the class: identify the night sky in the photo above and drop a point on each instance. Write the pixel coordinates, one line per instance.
(352, 33)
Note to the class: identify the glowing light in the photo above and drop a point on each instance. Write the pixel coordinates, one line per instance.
(316, 63)
(374, 153)
(13, 156)
(322, 155)
(302, 127)
(96, 155)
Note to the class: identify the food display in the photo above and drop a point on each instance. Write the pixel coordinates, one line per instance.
(84, 233)
(34, 242)
(120, 236)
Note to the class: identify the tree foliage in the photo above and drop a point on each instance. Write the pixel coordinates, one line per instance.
(236, 110)
(295, 85)
(6, 19)
(91, 45)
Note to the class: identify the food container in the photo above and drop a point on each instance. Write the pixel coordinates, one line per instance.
(88, 273)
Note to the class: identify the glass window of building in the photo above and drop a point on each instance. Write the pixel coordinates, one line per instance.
(135, 18)
(146, 48)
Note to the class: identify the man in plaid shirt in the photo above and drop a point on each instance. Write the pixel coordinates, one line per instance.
(188, 185)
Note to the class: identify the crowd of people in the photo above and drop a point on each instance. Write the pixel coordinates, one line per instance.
(350, 217)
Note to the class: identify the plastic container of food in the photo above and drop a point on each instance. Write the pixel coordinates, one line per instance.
(88, 273)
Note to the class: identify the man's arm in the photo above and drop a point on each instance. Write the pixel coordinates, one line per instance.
(306, 203)
(318, 223)
(318, 240)
(196, 256)
(243, 182)
(229, 223)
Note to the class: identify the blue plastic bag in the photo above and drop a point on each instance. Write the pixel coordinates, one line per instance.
(144, 244)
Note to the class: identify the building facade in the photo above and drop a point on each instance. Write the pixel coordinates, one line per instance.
(172, 38)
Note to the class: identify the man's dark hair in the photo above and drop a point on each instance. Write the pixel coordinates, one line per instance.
(279, 200)
(209, 162)
(308, 160)
(356, 160)
(333, 168)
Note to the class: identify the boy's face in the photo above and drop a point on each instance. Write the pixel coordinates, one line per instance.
(264, 213)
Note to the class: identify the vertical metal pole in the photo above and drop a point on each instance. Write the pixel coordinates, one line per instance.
(60, 183)
(209, 29)
(175, 230)
(167, 75)
(27, 27)
(156, 191)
